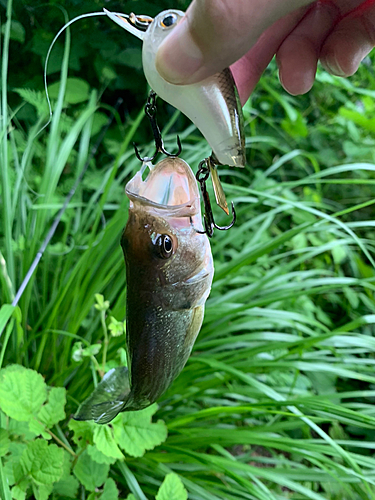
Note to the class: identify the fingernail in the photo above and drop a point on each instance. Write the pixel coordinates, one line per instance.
(179, 57)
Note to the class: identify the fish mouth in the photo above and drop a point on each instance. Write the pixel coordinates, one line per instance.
(170, 188)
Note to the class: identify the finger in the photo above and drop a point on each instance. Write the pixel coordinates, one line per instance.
(248, 70)
(216, 33)
(352, 39)
(298, 55)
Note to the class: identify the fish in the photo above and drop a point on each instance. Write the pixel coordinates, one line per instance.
(169, 272)
(213, 105)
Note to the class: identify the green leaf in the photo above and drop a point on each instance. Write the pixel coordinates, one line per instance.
(67, 487)
(77, 90)
(35, 98)
(12, 468)
(42, 462)
(79, 352)
(131, 57)
(38, 429)
(98, 456)
(101, 304)
(18, 493)
(100, 119)
(135, 433)
(110, 492)
(339, 254)
(295, 128)
(131, 497)
(42, 491)
(116, 328)
(17, 31)
(4, 442)
(83, 432)
(21, 429)
(105, 441)
(22, 392)
(91, 474)
(52, 412)
(358, 118)
(172, 488)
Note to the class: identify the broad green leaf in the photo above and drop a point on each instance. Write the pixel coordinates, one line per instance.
(105, 441)
(100, 119)
(35, 98)
(131, 57)
(12, 468)
(135, 433)
(67, 487)
(172, 488)
(98, 456)
(4, 442)
(52, 412)
(131, 497)
(17, 31)
(38, 429)
(83, 432)
(110, 492)
(42, 491)
(43, 462)
(22, 392)
(77, 90)
(91, 474)
(18, 493)
(21, 429)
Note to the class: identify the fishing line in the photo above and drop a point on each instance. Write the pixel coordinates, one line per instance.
(82, 16)
(60, 213)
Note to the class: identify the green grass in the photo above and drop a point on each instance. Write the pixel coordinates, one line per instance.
(277, 399)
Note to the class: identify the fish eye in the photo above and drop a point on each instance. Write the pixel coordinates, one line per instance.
(168, 21)
(165, 246)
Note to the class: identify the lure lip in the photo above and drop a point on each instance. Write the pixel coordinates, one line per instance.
(128, 22)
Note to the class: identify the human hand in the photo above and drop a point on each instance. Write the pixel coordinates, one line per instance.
(247, 33)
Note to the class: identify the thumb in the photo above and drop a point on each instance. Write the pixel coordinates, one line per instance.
(214, 34)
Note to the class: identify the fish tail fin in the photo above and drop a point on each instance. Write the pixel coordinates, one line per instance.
(108, 399)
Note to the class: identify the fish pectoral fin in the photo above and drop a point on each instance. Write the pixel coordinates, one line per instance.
(107, 399)
(101, 413)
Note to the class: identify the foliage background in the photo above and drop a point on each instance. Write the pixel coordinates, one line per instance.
(277, 398)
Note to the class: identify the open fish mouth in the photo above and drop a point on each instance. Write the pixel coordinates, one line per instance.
(170, 188)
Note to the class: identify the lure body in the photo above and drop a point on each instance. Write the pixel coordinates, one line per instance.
(212, 105)
(169, 272)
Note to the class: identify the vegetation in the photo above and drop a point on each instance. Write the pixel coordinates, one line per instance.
(276, 400)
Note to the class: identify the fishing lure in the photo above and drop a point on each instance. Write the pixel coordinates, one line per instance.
(169, 271)
(212, 105)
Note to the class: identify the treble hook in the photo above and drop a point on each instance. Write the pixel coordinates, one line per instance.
(150, 110)
(208, 217)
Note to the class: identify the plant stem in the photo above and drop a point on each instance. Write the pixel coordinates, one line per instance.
(61, 443)
(106, 340)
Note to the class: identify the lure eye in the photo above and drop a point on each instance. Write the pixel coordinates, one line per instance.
(165, 246)
(169, 21)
